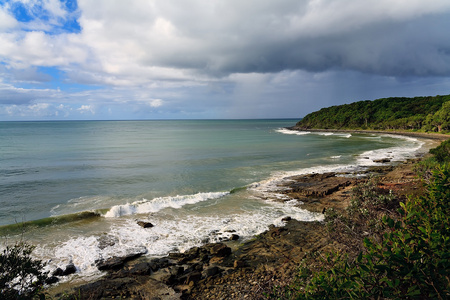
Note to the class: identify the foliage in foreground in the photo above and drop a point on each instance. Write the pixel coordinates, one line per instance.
(442, 152)
(404, 253)
(21, 276)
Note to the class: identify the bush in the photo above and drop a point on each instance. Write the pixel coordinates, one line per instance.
(21, 276)
(363, 217)
(408, 258)
(442, 152)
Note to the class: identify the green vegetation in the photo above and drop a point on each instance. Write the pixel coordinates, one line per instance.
(392, 248)
(419, 113)
(21, 276)
(442, 152)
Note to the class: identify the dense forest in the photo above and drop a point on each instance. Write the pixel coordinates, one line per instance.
(431, 114)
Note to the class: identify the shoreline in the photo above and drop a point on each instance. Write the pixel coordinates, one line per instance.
(215, 271)
(424, 135)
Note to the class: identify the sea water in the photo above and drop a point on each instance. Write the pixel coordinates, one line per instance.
(76, 189)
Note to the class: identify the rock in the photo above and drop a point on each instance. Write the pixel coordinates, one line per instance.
(383, 160)
(380, 169)
(165, 276)
(58, 272)
(286, 219)
(107, 241)
(141, 269)
(145, 224)
(239, 263)
(317, 185)
(159, 263)
(70, 269)
(234, 237)
(110, 264)
(52, 280)
(220, 250)
(211, 271)
(216, 260)
(191, 277)
(115, 262)
(176, 270)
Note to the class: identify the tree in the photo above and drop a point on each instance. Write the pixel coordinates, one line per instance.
(21, 276)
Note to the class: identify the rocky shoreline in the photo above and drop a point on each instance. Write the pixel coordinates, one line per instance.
(216, 271)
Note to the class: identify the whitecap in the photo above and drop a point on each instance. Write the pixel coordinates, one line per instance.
(292, 132)
(157, 204)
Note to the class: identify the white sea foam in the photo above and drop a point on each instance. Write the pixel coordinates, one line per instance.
(169, 234)
(157, 204)
(293, 132)
(324, 133)
(267, 188)
(182, 231)
(409, 149)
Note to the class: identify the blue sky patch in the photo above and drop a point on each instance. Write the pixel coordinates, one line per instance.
(26, 14)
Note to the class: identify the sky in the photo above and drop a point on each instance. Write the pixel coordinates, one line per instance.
(215, 59)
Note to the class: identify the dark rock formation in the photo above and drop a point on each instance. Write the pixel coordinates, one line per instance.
(214, 271)
(145, 224)
(116, 262)
(383, 160)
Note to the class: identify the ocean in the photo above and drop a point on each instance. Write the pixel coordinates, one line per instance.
(76, 189)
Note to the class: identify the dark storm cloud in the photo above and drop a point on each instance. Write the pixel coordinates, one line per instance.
(221, 58)
(414, 47)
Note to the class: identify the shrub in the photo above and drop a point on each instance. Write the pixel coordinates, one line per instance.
(408, 259)
(21, 276)
(442, 152)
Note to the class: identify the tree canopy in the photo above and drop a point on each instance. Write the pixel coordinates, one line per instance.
(396, 113)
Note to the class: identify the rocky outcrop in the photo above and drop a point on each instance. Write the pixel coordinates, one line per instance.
(317, 192)
(215, 271)
(212, 271)
(116, 262)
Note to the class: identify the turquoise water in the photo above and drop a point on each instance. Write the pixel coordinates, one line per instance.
(191, 178)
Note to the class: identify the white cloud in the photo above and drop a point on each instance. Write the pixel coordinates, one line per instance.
(86, 109)
(136, 42)
(156, 102)
(7, 22)
(241, 54)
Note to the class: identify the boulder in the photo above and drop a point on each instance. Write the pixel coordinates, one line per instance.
(115, 262)
(234, 237)
(220, 250)
(70, 269)
(383, 160)
(58, 272)
(145, 224)
(52, 280)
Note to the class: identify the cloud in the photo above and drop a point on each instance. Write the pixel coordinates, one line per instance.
(225, 37)
(10, 94)
(156, 102)
(215, 58)
(7, 22)
(86, 109)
